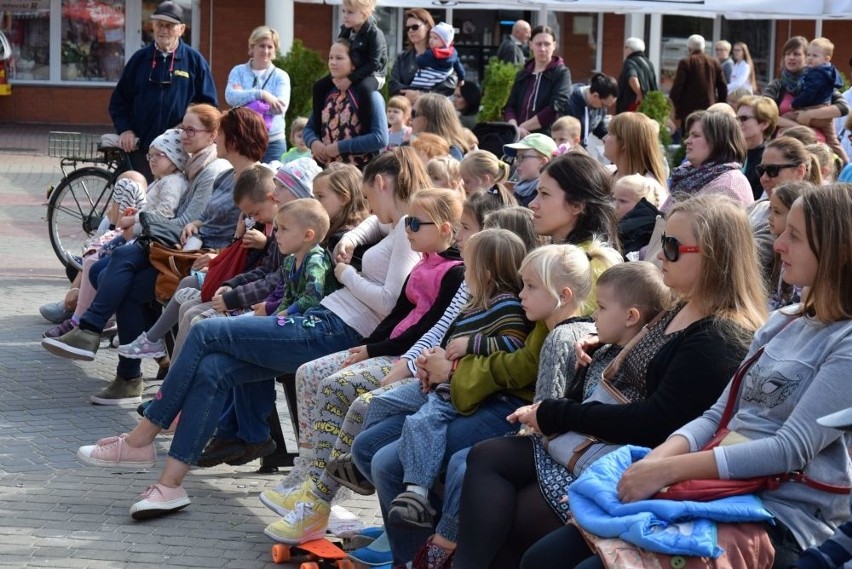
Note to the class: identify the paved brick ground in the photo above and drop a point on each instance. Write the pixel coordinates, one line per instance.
(54, 512)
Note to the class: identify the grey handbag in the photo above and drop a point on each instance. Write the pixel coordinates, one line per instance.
(576, 451)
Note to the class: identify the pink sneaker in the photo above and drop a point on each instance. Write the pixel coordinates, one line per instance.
(114, 452)
(159, 500)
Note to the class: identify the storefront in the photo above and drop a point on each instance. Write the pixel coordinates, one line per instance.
(67, 54)
(75, 42)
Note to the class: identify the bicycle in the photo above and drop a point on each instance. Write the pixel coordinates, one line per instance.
(77, 205)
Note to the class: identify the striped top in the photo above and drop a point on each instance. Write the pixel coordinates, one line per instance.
(502, 327)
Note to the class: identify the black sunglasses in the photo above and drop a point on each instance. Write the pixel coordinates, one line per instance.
(415, 224)
(772, 170)
(413, 27)
(672, 248)
(168, 79)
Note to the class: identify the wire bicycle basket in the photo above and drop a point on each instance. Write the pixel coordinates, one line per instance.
(73, 145)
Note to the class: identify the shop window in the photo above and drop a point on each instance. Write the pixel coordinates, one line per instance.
(148, 7)
(756, 35)
(28, 32)
(478, 35)
(92, 40)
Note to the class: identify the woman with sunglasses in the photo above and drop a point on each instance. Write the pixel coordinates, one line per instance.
(418, 24)
(784, 160)
(798, 370)
(715, 151)
(541, 89)
(682, 365)
(246, 354)
(758, 119)
(126, 280)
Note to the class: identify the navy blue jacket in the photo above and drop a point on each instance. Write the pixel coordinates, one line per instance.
(142, 104)
(817, 85)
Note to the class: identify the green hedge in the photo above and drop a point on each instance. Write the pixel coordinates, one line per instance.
(304, 66)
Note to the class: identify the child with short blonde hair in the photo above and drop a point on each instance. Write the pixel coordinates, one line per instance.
(399, 114)
(630, 190)
(445, 173)
(566, 130)
(297, 142)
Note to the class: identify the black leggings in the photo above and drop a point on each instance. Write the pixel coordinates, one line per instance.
(363, 96)
(502, 510)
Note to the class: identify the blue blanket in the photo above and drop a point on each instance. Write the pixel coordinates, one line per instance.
(663, 526)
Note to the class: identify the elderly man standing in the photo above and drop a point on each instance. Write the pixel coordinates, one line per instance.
(513, 49)
(157, 85)
(699, 81)
(637, 76)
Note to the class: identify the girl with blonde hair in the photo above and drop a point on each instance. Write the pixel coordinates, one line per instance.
(445, 173)
(481, 171)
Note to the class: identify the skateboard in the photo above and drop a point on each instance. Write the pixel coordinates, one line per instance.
(317, 554)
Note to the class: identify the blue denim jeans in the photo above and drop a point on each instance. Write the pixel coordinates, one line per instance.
(376, 453)
(223, 353)
(125, 284)
(274, 150)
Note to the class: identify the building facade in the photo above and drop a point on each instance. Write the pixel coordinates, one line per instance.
(67, 54)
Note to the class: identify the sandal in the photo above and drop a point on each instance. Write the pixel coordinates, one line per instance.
(410, 509)
(342, 470)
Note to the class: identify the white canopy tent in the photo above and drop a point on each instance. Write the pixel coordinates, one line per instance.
(731, 9)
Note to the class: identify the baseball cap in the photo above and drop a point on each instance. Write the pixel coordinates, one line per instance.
(841, 420)
(169, 12)
(541, 143)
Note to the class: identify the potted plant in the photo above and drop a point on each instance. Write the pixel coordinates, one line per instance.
(496, 87)
(304, 66)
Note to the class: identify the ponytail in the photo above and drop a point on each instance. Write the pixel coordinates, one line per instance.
(406, 169)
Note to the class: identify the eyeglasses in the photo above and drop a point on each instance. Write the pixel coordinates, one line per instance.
(522, 157)
(415, 224)
(151, 157)
(413, 27)
(189, 131)
(168, 79)
(672, 248)
(744, 118)
(772, 170)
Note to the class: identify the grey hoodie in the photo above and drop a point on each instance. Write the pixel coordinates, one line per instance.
(803, 374)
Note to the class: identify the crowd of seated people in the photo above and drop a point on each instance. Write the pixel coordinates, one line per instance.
(457, 323)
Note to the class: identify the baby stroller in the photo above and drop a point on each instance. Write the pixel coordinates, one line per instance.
(493, 135)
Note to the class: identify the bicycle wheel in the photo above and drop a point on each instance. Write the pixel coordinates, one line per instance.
(75, 211)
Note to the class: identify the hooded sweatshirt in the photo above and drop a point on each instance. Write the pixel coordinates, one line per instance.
(543, 95)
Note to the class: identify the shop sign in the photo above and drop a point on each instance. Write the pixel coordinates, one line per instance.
(24, 5)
